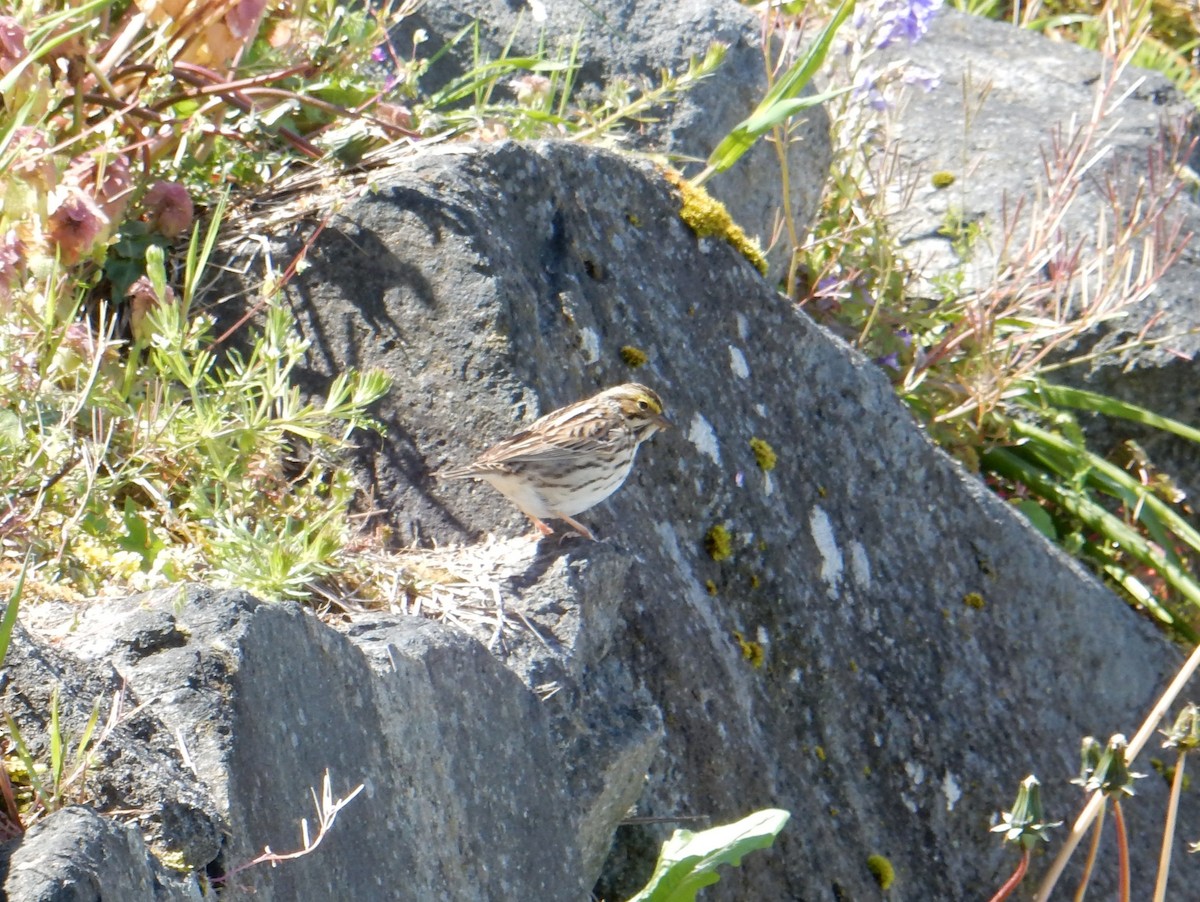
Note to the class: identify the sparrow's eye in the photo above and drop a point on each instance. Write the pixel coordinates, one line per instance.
(642, 405)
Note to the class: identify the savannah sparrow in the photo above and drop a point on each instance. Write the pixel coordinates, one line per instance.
(572, 458)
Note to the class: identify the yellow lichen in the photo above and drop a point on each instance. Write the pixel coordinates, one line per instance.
(751, 651)
(718, 542)
(881, 869)
(176, 861)
(710, 587)
(755, 582)
(764, 454)
(819, 751)
(942, 179)
(707, 217)
(634, 357)
(974, 600)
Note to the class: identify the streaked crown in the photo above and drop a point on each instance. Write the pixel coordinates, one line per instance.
(640, 405)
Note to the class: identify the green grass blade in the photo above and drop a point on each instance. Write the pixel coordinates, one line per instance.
(1081, 399)
(774, 107)
(9, 621)
(56, 744)
(86, 739)
(1123, 484)
(39, 790)
(198, 255)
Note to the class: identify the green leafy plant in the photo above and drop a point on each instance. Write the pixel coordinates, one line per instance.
(688, 861)
(171, 461)
(1024, 825)
(59, 782)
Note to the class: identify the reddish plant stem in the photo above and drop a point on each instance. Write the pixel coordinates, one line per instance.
(1122, 850)
(1012, 882)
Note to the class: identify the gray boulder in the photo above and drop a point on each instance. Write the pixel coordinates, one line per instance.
(635, 42)
(886, 650)
(466, 795)
(134, 766)
(1021, 89)
(75, 855)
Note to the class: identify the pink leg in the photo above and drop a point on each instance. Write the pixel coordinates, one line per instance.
(540, 526)
(578, 527)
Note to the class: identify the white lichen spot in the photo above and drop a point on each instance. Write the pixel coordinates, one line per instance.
(951, 790)
(764, 639)
(768, 484)
(915, 772)
(743, 326)
(739, 479)
(795, 676)
(737, 363)
(701, 434)
(589, 343)
(761, 410)
(831, 556)
(860, 564)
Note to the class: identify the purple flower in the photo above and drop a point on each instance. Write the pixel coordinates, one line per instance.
(867, 90)
(830, 287)
(379, 54)
(922, 78)
(904, 19)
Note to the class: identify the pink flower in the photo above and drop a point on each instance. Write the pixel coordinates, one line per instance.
(115, 186)
(531, 89)
(76, 224)
(12, 44)
(142, 299)
(243, 18)
(33, 163)
(168, 209)
(12, 260)
(104, 176)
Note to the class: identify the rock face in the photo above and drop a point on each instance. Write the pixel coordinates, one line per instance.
(75, 855)
(465, 792)
(136, 768)
(1019, 89)
(635, 43)
(887, 650)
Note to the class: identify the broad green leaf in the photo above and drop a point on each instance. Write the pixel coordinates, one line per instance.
(689, 861)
